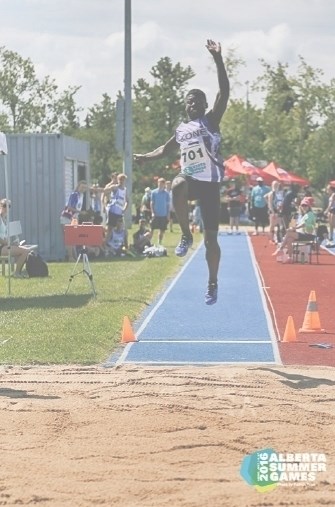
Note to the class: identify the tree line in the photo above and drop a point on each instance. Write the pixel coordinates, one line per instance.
(294, 126)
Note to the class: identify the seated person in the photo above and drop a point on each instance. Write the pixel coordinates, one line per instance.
(142, 237)
(116, 243)
(304, 229)
(18, 252)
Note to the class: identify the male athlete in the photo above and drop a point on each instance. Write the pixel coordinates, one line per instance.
(201, 168)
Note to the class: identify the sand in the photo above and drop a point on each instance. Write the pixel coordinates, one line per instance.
(154, 436)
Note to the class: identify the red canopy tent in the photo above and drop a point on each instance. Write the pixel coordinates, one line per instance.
(284, 176)
(236, 166)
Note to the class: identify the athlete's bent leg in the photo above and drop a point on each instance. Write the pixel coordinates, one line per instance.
(180, 202)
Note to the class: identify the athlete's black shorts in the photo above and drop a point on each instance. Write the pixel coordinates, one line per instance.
(207, 193)
(112, 219)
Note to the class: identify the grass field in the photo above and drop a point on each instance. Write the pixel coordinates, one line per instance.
(41, 325)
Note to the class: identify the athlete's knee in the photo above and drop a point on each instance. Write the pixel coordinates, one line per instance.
(211, 239)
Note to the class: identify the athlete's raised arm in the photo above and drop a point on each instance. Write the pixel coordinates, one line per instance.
(222, 97)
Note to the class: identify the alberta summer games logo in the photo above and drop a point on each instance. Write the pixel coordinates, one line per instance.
(266, 469)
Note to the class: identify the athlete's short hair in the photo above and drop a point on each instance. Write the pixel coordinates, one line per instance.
(196, 91)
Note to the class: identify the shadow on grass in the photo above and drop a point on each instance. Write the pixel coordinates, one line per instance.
(58, 301)
(296, 381)
(128, 300)
(111, 260)
(54, 301)
(17, 393)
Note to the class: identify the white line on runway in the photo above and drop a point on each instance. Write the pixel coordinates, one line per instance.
(204, 363)
(206, 341)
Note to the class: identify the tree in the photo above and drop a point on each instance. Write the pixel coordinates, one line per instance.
(242, 131)
(64, 113)
(319, 152)
(32, 105)
(99, 130)
(291, 110)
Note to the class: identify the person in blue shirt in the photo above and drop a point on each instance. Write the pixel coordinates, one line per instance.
(259, 208)
(160, 209)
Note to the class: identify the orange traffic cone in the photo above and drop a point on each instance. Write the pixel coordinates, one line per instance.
(289, 334)
(311, 322)
(127, 332)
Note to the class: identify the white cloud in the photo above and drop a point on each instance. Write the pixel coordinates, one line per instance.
(276, 44)
(80, 42)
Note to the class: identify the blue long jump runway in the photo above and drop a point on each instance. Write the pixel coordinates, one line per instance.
(181, 329)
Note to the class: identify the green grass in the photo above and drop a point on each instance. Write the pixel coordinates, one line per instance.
(40, 324)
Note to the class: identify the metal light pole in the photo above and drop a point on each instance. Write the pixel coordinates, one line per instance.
(128, 152)
(247, 118)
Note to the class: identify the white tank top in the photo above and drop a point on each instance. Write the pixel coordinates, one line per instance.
(199, 149)
(117, 239)
(117, 201)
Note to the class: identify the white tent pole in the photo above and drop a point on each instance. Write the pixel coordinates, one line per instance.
(8, 222)
(4, 151)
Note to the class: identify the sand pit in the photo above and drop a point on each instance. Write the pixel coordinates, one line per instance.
(153, 436)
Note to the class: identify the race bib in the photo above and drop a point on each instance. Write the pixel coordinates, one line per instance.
(192, 160)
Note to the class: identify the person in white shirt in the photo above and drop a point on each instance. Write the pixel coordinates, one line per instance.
(18, 252)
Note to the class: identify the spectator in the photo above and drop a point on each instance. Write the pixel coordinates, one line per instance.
(105, 195)
(142, 237)
(330, 213)
(96, 199)
(18, 252)
(304, 229)
(259, 209)
(116, 243)
(275, 200)
(307, 191)
(71, 212)
(197, 222)
(172, 216)
(160, 209)
(118, 201)
(288, 204)
(146, 205)
(234, 200)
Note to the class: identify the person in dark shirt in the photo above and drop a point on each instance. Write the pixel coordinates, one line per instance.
(234, 196)
(142, 237)
(288, 207)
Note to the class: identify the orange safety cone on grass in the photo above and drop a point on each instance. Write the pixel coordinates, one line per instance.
(289, 334)
(311, 322)
(127, 332)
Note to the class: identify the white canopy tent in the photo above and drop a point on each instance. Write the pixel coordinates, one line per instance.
(4, 152)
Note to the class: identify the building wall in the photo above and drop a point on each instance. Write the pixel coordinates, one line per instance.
(36, 168)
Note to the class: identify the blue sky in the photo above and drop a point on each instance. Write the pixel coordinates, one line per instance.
(80, 42)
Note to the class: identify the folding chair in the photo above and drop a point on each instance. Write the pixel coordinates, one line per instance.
(306, 249)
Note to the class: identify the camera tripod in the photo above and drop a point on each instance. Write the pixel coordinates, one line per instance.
(86, 270)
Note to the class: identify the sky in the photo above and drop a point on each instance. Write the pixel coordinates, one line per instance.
(81, 42)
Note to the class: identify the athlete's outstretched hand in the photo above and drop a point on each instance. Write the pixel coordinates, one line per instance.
(213, 47)
(138, 157)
